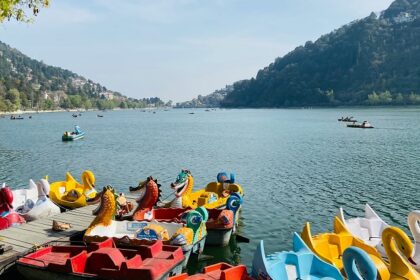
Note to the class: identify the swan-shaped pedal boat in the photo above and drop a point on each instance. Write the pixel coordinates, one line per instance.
(220, 224)
(368, 228)
(300, 263)
(190, 233)
(70, 194)
(414, 225)
(33, 203)
(214, 196)
(331, 246)
(8, 217)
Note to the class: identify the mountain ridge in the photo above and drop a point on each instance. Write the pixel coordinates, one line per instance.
(370, 61)
(26, 83)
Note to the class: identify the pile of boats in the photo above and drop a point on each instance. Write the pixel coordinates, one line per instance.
(154, 239)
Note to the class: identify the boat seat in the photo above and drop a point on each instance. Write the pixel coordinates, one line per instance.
(71, 264)
(104, 258)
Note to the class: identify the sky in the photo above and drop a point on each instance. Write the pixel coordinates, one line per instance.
(176, 49)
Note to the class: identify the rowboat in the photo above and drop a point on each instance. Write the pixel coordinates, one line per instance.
(102, 261)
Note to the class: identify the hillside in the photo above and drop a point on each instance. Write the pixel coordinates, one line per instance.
(26, 83)
(372, 61)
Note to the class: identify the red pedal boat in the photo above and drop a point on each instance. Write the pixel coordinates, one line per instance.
(220, 225)
(102, 261)
(220, 271)
(8, 217)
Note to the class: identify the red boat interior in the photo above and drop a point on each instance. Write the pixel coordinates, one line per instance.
(220, 271)
(108, 262)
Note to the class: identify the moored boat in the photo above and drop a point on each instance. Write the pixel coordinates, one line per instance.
(220, 225)
(73, 135)
(413, 224)
(70, 194)
(8, 217)
(102, 261)
(219, 271)
(33, 203)
(301, 263)
(189, 232)
(368, 228)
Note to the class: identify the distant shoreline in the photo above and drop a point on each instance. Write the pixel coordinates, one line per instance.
(21, 112)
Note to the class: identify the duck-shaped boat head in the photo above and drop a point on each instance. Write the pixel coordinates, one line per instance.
(399, 250)
(414, 225)
(358, 265)
(71, 194)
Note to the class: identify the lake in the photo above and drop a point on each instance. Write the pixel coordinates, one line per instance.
(295, 165)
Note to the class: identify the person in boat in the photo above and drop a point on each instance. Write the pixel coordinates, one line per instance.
(77, 130)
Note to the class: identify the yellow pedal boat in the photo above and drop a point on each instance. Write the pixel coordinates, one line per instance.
(71, 194)
(215, 195)
(331, 246)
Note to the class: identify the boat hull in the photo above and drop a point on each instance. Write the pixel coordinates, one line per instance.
(34, 273)
(73, 137)
(218, 237)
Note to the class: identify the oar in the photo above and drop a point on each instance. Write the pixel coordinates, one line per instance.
(241, 238)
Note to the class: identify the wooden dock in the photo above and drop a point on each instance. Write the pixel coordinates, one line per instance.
(27, 237)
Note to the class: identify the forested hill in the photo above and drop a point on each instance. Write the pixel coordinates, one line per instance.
(26, 83)
(374, 60)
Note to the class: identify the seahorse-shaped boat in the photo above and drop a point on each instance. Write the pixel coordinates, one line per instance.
(189, 233)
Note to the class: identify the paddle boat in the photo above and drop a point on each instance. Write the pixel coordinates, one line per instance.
(102, 261)
(368, 228)
(189, 233)
(364, 124)
(16, 118)
(219, 271)
(220, 225)
(33, 203)
(70, 194)
(358, 265)
(413, 224)
(331, 246)
(8, 217)
(73, 135)
(214, 196)
(300, 263)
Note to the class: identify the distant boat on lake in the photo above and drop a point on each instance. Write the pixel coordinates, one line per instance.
(347, 119)
(74, 135)
(364, 124)
(16, 118)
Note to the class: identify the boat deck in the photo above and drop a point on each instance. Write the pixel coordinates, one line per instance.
(27, 237)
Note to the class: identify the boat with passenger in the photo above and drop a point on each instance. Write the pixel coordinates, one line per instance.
(364, 124)
(73, 135)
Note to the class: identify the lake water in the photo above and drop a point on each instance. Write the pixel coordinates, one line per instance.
(294, 165)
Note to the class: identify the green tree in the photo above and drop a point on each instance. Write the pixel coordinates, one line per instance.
(19, 9)
(76, 101)
(123, 105)
(13, 95)
(87, 104)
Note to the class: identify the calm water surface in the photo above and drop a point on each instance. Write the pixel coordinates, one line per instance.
(294, 165)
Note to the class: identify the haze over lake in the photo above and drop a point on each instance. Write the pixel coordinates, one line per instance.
(295, 165)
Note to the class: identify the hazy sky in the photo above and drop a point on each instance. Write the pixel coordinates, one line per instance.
(176, 49)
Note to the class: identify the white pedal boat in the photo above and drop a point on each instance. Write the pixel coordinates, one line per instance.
(368, 228)
(414, 225)
(33, 203)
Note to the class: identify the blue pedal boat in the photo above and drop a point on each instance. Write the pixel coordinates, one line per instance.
(300, 263)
